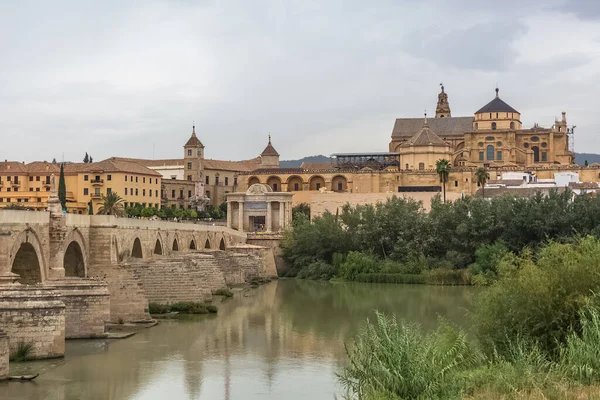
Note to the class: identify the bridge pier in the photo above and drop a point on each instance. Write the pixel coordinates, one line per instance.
(57, 233)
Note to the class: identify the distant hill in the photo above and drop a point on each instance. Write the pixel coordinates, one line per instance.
(591, 158)
(297, 163)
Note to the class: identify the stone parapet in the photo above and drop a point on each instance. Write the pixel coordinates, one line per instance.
(33, 314)
(87, 306)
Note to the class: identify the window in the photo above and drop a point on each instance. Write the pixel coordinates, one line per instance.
(208, 194)
(173, 193)
(181, 194)
(496, 115)
(150, 192)
(499, 144)
(189, 152)
(235, 181)
(86, 191)
(131, 178)
(26, 200)
(421, 166)
(8, 199)
(136, 191)
(125, 178)
(156, 193)
(8, 178)
(536, 153)
(143, 192)
(275, 187)
(136, 179)
(455, 183)
(8, 189)
(489, 152)
(131, 191)
(189, 165)
(18, 200)
(406, 166)
(467, 180)
(481, 156)
(31, 179)
(526, 145)
(16, 189)
(189, 193)
(216, 180)
(512, 125)
(535, 139)
(97, 191)
(109, 177)
(490, 115)
(125, 191)
(207, 180)
(544, 156)
(226, 181)
(37, 189)
(544, 144)
(189, 178)
(97, 178)
(85, 178)
(493, 126)
(37, 178)
(318, 185)
(144, 180)
(108, 190)
(31, 189)
(499, 155)
(296, 186)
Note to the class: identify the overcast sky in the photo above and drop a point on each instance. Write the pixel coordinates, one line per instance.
(127, 78)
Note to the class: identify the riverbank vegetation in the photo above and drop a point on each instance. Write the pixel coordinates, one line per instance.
(184, 307)
(447, 245)
(536, 325)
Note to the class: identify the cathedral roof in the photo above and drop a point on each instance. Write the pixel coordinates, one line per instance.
(269, 150)
(406, 127)
(193, 141)
(496, 105)
(425, 137)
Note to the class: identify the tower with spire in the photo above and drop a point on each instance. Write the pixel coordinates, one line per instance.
(269, 158)
(193, 158)
(443, 108)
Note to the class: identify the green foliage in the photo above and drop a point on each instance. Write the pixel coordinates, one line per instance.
(90, 208)
(14, 206)
(302, 209)
(398, 360)
(184, 307)
(482, 176)
(112, 204)
(62, 187)
(442, 167)
(390, 278)
(212, 308)
(318, 270)
(22, 353)
(156, 308)
(224, 292)
(538, 299)
(445, 276)
(358, 263)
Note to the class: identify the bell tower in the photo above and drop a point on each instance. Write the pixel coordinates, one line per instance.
(443, 108)
(193, 158)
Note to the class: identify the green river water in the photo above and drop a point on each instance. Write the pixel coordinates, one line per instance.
(283, 340)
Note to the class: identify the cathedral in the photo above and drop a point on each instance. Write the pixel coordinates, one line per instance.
(493, 137)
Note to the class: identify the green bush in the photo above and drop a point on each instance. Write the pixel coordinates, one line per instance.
(538, 300)
(189, 307)
(212, 308)
(444, 276)
(155, 308)
(22, 353)
(318, 270)
(398, 360)
(224, 292)
(358, 263)
(390, 278)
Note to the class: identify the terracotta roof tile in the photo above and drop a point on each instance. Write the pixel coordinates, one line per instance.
(245, 165)
(111, 165)
(12, 167)
(38, 167)
(269, 150)
(317, 165)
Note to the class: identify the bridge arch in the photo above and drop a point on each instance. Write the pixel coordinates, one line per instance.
(158, 248)
(26, 258)
(175, 246)
(207, 244)
(136, 249)
(75, 257)
(193, 244)
(222, 244)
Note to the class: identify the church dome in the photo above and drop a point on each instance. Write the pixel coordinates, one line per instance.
(496, 105)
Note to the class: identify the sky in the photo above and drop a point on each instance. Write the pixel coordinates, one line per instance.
(129, 78)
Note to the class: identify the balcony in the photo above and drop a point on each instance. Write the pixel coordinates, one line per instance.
(47, 184)
(96, 195)
(97, 182)
(181, 199)
(15, 184)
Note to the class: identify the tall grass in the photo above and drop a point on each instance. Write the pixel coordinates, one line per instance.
(392, 359)
(580, 356)
(22, 353)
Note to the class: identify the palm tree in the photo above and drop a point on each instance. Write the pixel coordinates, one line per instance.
(442, 167)
(112, 204)
(482, 176)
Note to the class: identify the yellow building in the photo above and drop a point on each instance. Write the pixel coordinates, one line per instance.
(28, 185)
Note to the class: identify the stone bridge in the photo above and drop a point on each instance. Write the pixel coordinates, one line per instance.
(65, 275)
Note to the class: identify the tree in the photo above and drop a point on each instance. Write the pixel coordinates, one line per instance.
(54, 161)
(91, 159)
(62, 188)
(482, 176)
(86, 159)
(442, 167)
(90, 208)
(301, 209)
(112, 204)
(585, 164)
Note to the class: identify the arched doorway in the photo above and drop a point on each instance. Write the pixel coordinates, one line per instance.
(339, 184)
(316, 182)
(222, 244)
(253, 180)
(158, 247)
(193, 245)
(536, 153)
(27, 265)
(294, 184)
(207, 244)
(175, 245)
(73, 261)
(136, 250)
(275, 183)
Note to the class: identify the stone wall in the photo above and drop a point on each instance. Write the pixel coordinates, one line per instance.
(4, 355)
(33, 314)
(271, 242)
(87, 306)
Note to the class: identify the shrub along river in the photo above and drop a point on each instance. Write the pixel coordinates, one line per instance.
(284, 340)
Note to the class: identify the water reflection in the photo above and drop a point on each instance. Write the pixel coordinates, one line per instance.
(283, 340)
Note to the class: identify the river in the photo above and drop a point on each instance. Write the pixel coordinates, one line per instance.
(283, 340)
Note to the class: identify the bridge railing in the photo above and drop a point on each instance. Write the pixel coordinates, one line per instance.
(24, 217)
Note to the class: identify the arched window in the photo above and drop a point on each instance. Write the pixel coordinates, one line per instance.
(536, 153)
(476, 126)
(493, 126)
(490, 152)
(512, 125)
(421, 166)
